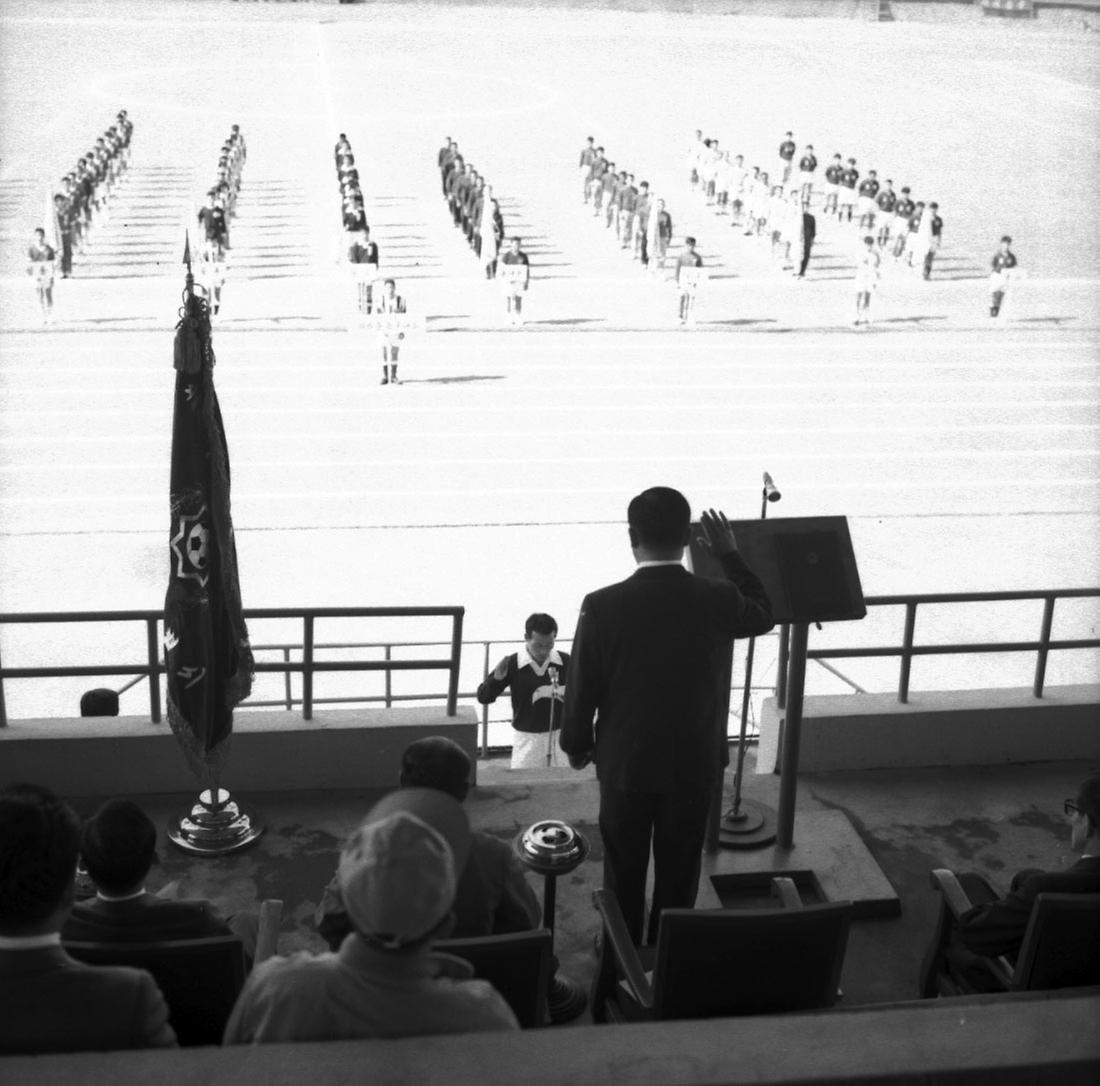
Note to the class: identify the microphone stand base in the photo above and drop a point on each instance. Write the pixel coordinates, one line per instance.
(565, 1001)
(753, 826)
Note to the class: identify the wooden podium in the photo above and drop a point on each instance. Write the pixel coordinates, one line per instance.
(809, 570)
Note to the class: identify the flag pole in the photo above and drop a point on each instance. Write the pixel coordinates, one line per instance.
(215, 825)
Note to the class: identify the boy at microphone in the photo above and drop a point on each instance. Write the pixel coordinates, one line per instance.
(536, 676)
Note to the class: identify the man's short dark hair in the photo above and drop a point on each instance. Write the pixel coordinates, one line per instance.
(659, 517)
(1088, 800)
(118, 845)
(540, 623)
(39, 844)
(436, 762)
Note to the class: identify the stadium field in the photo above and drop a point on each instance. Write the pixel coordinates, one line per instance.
(497, 474)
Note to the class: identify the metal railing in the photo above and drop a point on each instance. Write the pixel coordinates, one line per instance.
(908, 648)
(153, 667)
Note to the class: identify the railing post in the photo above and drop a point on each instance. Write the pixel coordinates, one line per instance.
(781, 667)
(3, 704)
(485, 710)
(792, 734)
(456, 660)
(154, 669)
(1044, 647)
(389, 677)
(288, 690)
(907, 651)
(307, 667)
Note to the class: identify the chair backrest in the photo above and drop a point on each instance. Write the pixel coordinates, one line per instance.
(200, 978)
(735, 961)
(1061, 947)
(517, 965)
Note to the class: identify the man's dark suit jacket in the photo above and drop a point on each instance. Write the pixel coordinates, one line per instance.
(649, 664)
(145, 919)
(998, 927)
(51, 1003)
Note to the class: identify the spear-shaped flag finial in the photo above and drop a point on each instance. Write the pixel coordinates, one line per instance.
(189, 286)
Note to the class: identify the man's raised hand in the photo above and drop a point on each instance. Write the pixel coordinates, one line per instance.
(717, 533)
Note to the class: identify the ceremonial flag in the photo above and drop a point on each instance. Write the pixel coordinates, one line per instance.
(208, 657)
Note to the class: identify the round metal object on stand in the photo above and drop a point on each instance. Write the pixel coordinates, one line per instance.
(214, 826)
(552, 848)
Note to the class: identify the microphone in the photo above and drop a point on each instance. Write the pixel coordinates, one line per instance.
(770, 491)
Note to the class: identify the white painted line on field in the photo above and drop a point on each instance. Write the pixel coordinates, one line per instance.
(306, 497)
(367, 410)
(519, 392)
(871, 429)
(432, 460)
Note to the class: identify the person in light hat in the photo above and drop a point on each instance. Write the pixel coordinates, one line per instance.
(398, 873)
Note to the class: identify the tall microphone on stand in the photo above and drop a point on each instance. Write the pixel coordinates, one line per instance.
(735, 816)
(553, 673)
(771, 493)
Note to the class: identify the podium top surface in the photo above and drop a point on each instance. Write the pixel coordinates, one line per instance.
(807, 565)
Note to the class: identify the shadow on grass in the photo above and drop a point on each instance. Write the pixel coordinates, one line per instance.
(463, 379)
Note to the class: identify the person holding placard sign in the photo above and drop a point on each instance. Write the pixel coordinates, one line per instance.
(515, 273)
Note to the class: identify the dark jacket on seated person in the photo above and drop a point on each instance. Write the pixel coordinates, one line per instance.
(998, 927)
(51, 1003)
(142, 919)
(493, 897)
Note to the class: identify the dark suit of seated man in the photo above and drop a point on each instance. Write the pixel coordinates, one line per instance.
(492, 896)
(48, 1001)
(118, 847)
(996, 925)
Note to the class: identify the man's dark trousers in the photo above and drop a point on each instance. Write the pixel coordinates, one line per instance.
(809, 232)
(677, 823)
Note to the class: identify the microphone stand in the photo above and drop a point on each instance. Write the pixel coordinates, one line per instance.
(550, 730)
(741, 828)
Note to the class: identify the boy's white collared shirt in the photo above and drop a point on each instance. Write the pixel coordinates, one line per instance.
(523, 659)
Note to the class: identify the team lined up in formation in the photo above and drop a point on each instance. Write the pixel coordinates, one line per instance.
(777, 205)
(214, 218)
(383, 309)
(84, 195)
(475, 210)
(640, 222)
(361, 250)
(901, 226)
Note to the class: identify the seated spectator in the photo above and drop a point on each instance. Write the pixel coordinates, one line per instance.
(118, 846)
(398, 875)
(493, 897)
(48, 1001)
(996, 925)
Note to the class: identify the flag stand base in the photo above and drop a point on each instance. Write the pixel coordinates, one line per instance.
(214, 826)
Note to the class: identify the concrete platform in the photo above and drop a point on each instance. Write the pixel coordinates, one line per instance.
(827, 845)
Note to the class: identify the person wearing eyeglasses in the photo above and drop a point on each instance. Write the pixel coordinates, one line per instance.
(997, 925)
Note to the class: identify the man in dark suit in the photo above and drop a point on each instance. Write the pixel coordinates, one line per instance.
(996, 925)
(48, 1001)
(118, 847)
(644, 700)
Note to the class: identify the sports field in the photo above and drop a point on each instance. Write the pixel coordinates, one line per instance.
(497, 475)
